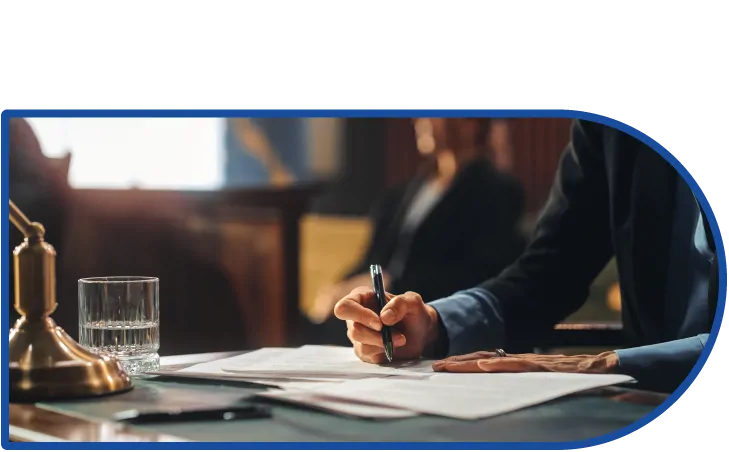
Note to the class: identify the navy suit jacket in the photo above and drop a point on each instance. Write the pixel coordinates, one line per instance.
(612, 196)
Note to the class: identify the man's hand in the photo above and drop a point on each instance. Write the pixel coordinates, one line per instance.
(415, 324)
(328, 296)
(488, 362)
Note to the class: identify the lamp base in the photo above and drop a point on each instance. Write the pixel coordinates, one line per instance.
(47, 364)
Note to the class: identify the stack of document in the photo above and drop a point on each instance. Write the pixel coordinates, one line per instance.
(334, 379)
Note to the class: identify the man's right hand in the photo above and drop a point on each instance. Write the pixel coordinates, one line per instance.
(415, 324)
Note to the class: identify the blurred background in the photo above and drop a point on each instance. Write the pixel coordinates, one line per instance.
(256, 226)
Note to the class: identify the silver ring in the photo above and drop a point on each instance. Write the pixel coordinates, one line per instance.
(501, 353)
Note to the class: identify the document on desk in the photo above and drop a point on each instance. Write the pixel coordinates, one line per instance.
(464, 396)
(315, 361)
(213, 370)
(305, 397)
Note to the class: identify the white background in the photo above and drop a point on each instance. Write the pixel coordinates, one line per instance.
(660, 67)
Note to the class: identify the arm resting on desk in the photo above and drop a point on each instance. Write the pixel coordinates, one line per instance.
(663, 366)
(471, 320)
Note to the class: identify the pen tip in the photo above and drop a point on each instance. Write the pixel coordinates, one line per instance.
(388, 352)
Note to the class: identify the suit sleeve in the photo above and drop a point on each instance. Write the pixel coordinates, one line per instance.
(572, 244)
(662, 367)
(551, 279)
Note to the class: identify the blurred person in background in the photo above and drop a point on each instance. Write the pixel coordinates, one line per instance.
(455, 221)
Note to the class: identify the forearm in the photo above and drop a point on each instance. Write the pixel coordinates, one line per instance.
(661, 367)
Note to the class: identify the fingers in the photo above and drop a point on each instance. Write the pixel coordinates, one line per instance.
(472, 356)
(489, 355)
(370, 353)
(367, 336)
(490, 365)
(457, 367)
(400, 306)
(528, 362)
(356, 307)
(512, 365)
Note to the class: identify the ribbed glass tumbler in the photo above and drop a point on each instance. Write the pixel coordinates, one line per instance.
(119, 316)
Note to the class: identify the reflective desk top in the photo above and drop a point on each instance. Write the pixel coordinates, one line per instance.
(578, 417)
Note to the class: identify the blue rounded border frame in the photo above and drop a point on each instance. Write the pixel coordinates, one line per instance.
(569, 114)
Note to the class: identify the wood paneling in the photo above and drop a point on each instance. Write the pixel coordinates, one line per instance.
(253, 260)
(402, 157)
(537, 144)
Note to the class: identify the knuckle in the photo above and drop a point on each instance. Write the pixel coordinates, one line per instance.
(412, 299)
(340, 309)
(357, 293)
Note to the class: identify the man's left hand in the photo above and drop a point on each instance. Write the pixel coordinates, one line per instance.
(489, 362)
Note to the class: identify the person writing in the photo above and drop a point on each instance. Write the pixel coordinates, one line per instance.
(612, 196)
(452, 225)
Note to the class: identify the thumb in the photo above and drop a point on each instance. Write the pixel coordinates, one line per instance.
(400, 306)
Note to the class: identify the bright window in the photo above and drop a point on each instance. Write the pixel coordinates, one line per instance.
(146, 153)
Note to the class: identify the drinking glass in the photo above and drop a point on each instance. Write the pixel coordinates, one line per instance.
(119, 316)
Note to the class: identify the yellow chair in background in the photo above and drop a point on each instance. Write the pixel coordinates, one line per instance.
(330, 246)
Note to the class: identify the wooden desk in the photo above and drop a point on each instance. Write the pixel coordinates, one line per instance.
(572, 418)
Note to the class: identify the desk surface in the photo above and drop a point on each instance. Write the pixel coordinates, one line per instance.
(571, 418)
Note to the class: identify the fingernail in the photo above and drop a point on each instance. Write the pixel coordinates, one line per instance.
(399, 341)
(375, 325)
(438, 365)
(388, 315)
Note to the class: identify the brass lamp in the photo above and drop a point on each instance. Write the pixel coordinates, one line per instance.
(45, 362)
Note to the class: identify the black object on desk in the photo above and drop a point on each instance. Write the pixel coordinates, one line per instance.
(379, 286)
(211, 414)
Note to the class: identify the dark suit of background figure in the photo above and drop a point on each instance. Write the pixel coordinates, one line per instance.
(472, 231)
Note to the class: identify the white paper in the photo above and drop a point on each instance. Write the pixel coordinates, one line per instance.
(333, 405)
(216, 367)
(466, 396)
(315, 361)
(213, 370)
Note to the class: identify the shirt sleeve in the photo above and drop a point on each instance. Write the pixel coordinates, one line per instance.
(471, 320)
(663, 366)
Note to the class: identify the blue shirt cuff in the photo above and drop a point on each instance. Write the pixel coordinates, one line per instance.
(661, 366)
(472, 320)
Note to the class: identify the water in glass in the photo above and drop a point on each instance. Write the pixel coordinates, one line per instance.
(119, 316)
